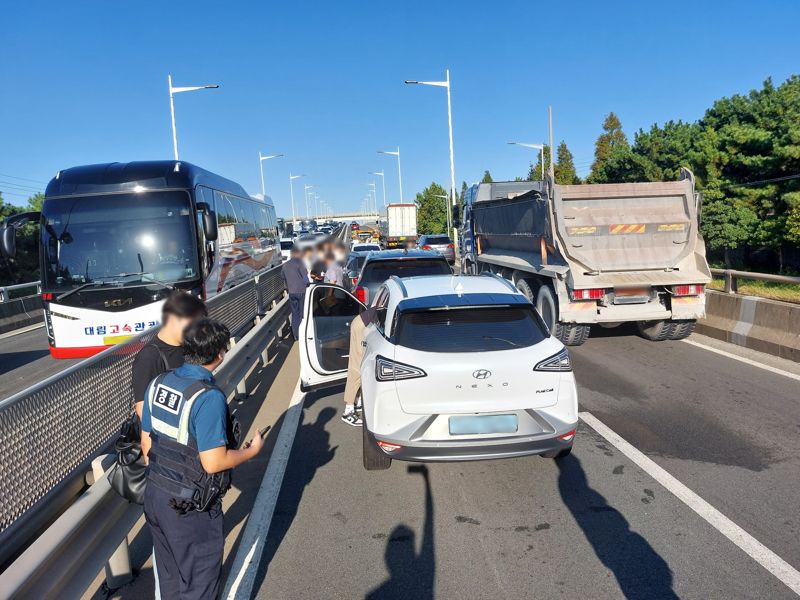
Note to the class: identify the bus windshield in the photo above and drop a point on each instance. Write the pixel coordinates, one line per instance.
(121, 239)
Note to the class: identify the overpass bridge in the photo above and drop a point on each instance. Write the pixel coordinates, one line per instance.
(683, 446)
(346, 216)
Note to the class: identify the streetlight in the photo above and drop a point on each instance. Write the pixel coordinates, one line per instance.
(383, 181)
(178, 90)
(539, 147)
(374, 194)
(291, 193)
(399, 173)
(307, 187)
(446, 84)
(261, 159)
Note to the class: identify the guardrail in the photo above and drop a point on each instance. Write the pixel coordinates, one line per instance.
(53, 430)
(15, 292)
(731, 278)
(92, 532)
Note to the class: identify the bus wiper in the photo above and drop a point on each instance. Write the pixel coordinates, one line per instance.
(510, 342)
(146, 277)
(81, 287)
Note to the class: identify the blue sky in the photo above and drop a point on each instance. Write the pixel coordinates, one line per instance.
(322, 82)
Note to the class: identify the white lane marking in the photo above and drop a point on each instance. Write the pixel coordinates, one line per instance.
(241, 578)
(746, 542)
(14, 332)
(744, 360)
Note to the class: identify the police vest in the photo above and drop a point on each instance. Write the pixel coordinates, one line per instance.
(174, 461)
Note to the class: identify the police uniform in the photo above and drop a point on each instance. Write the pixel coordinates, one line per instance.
(185, 414)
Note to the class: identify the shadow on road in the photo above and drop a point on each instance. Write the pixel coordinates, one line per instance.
(14, 360)
(411, 575)
(313, 442)
(640, 571)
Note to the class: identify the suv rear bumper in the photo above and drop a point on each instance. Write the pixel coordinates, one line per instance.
(477, 449)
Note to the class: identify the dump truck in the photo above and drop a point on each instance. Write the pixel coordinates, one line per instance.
(401, 224)
(595, 254)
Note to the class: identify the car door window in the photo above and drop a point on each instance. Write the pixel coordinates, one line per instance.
(381, 303)
(333, 309)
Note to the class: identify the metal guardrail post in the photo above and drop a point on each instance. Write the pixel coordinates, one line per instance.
(730, 283)
(118, 568)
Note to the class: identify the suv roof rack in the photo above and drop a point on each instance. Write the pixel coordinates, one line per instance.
(507, 283)
(400, 284)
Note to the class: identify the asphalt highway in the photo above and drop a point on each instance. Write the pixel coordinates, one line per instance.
(25, 359)
(595, 525)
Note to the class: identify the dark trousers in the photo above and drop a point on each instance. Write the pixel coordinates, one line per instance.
(188, 548)
(296, 302)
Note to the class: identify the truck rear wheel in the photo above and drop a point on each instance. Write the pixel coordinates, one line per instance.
(680, 330)
(655, 331)
(570, 334)
(524, 287)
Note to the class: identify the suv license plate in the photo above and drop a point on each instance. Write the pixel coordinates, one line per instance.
(470, 425)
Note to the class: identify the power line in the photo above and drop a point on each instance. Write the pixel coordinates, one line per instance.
(22, 178)
(20, 187)
(773, 180)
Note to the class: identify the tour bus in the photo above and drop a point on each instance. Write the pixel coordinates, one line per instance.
(116, 238)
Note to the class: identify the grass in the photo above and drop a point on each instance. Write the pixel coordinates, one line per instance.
(787, 292)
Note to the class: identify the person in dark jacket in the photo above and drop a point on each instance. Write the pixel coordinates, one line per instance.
(295, 275)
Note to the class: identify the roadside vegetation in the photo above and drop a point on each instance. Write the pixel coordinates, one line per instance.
(763, 289)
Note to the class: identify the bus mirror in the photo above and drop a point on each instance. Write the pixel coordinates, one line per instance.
(456, 218)
(209, 221)
(9, 241)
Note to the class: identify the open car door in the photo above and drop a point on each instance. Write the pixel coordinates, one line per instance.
(325, 335)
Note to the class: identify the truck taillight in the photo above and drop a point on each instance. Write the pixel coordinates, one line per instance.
(47, 296)
(362, 294)
(590, 294)
(694, 289)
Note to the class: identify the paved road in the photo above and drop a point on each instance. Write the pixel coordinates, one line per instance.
(25, 359)
(592, 526)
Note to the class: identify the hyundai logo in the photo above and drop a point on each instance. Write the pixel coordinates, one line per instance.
(482, 374)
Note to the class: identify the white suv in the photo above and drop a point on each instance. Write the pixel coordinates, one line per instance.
(455, 368)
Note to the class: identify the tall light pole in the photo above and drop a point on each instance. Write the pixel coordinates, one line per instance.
(399, 172)
(307, 187)
(178, 90)
(261, 159)
(446, 84)
(291, 193)
(316, 205)
(374, 194)
(539, 147)
(383, 181)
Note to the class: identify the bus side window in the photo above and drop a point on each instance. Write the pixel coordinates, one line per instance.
(226, 220)
(245, 229)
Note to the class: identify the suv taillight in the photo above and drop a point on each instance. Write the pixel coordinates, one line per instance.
(451, 246)
(362, 294)
(426, 247)
(694, 289)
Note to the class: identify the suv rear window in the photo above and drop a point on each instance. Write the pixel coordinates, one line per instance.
(437, 239)
(286, 245)
(378, 271)
(470, 329)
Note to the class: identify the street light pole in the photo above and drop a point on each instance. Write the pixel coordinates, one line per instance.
(374, 195)
(261, 159)
(307, 187)
(399, 172)
(446, 84)
(383, 182)
(539, 147)
(172, 92)
(291, 193)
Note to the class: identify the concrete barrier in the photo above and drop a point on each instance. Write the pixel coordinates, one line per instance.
(15, 314)
(765, 325)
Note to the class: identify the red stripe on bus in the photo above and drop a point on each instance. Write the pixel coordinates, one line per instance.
(81, 352)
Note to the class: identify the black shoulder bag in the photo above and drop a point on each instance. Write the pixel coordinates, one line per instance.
(128, 475)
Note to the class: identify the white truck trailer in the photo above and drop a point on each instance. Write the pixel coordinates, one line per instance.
(401, 224)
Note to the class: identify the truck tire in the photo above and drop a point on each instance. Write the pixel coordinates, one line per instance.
(373, 457)
(570, 334)
(655, 331)
(524, 287)
(680, 330)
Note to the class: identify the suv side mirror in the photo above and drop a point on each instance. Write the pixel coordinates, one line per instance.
(209, 221)
(456, 217)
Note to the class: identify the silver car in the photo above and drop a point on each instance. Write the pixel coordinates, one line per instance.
(441, 243)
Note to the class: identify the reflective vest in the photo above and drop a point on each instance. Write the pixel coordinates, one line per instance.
(174, 461)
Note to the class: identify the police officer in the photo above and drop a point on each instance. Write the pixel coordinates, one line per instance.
(187, 436)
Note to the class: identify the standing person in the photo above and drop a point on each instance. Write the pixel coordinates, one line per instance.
(353, 385)
(318, 265)
(295, 275)
(333, 270)
(165, 351)
(185, 439)
(308, 261)
(340, 252)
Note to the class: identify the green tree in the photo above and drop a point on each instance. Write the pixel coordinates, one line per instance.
(565, 173)
(487, 177)
(24, 267)
(535, 170)
(35, 201)
(432, 209)
(612, 137)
